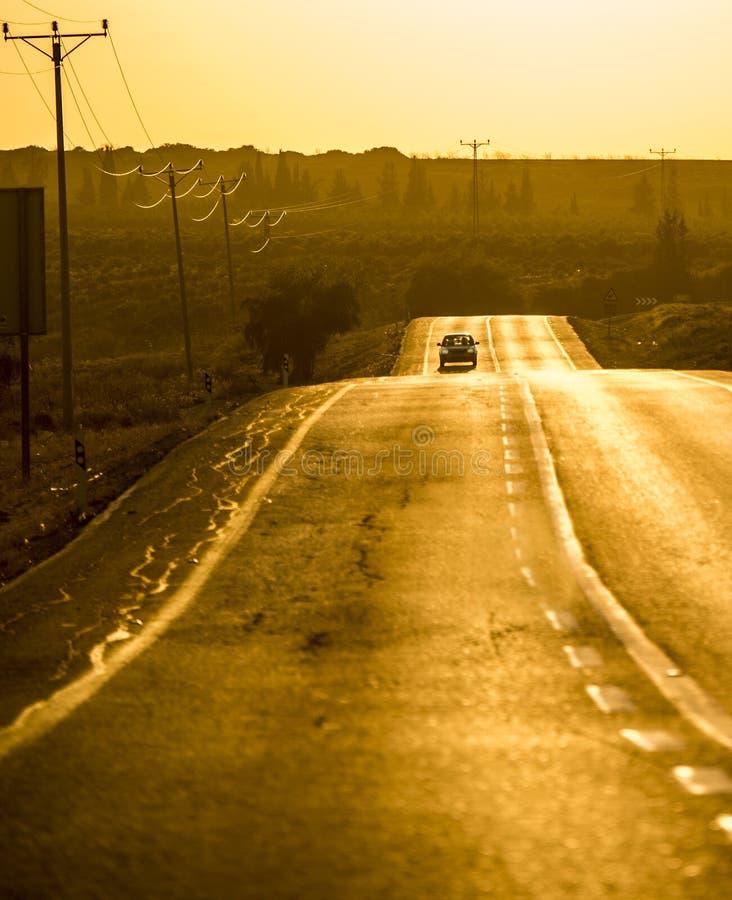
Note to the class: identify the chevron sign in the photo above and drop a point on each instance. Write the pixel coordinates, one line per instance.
(645, 302)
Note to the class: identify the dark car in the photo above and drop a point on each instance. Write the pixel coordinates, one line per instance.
(458, 348)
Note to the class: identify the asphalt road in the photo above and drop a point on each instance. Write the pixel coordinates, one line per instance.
(447, 634)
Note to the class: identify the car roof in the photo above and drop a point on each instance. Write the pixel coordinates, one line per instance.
(459, 334)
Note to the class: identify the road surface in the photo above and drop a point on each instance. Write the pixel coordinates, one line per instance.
(446, 634)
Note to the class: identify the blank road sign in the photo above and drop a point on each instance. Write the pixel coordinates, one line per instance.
(22, 244)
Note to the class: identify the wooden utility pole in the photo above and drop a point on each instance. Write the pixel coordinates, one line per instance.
(663, 154)
(475, 144)
(57, 56)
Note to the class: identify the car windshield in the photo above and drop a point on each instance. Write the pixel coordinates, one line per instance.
(457, 340)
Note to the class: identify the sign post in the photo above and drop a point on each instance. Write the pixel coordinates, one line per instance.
(23, 286)
(611, 305)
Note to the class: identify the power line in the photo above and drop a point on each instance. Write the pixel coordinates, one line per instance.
(91, 108)
(475, 144)
(663, 153)
(58, 18)
(129, 92)
(58, 54)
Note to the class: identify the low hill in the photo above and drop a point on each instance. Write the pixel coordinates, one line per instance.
(672, 335)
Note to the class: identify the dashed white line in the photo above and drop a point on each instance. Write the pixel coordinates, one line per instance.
(583, 657)
(528, 576)
(684, 692)
(652, 740)
(561, 620)
(724, 823)
(701, 780)
(610, 698)
(513, 469)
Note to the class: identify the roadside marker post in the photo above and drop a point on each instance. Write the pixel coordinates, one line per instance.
(208, 381)
(81, 476)
(611, 306)
(285, 370)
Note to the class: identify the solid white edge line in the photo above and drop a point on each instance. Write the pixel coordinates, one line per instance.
(491, 345)
(426, 363)
(718, 384)
(682, 691)
(562, 349)
(42, 716)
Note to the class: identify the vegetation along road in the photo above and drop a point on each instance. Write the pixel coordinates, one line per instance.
(450, 633)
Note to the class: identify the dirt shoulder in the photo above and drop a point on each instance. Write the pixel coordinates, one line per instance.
(40, 516)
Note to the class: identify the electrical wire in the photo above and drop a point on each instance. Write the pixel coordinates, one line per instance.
(262, 247)
(192, 188)
(282, 216)
(38, 72)
(213, 188)
(38, 90)
(84, 95)
(60, 18)
(78, 109)
(630, 174)
(209, 214)
(165, 196)
(137, 169)
(241, 221)
(129, 92)
(241, 178)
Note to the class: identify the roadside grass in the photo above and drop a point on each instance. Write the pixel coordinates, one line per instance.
(672, 335)
(132, 411)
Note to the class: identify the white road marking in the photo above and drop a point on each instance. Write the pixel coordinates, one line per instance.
(44, 715)
(514, 533)
(719, 384)
(512, 510)
(491, 345)
(514, 469)
(561, 620)
(691, 700)
(609, 698)
(584, 657)
(564, 353)
(528, 576)
(653, 741)
(426, 363)
(515, 488)
(509, 441)
(724, 822)
(511, 454)
(518, 553)
(701, 780)
(508, 426)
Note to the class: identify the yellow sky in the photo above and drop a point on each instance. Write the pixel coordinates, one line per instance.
(585, 77)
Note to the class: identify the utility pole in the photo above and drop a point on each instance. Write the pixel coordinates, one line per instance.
(475, 144)
(57, 56)
(171, 174)
(663, 154)
(221, 184)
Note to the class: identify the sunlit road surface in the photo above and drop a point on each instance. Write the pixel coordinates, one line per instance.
(390, 675)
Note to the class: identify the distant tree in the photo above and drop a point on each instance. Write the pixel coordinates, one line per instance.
(673, 197)
(388, 186)
(261, 188)
(300, 309)
(283, 180)
(342, 189)
(512, 200)
(108, 185)
(574, 205)
(725, 205)
(705, 207)
(488, 198)
(7, 175)
(644, 198)
(86, 195)
(418, 194)
(526, 194)
(136, 190)
(671, 254)
(37, 166)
